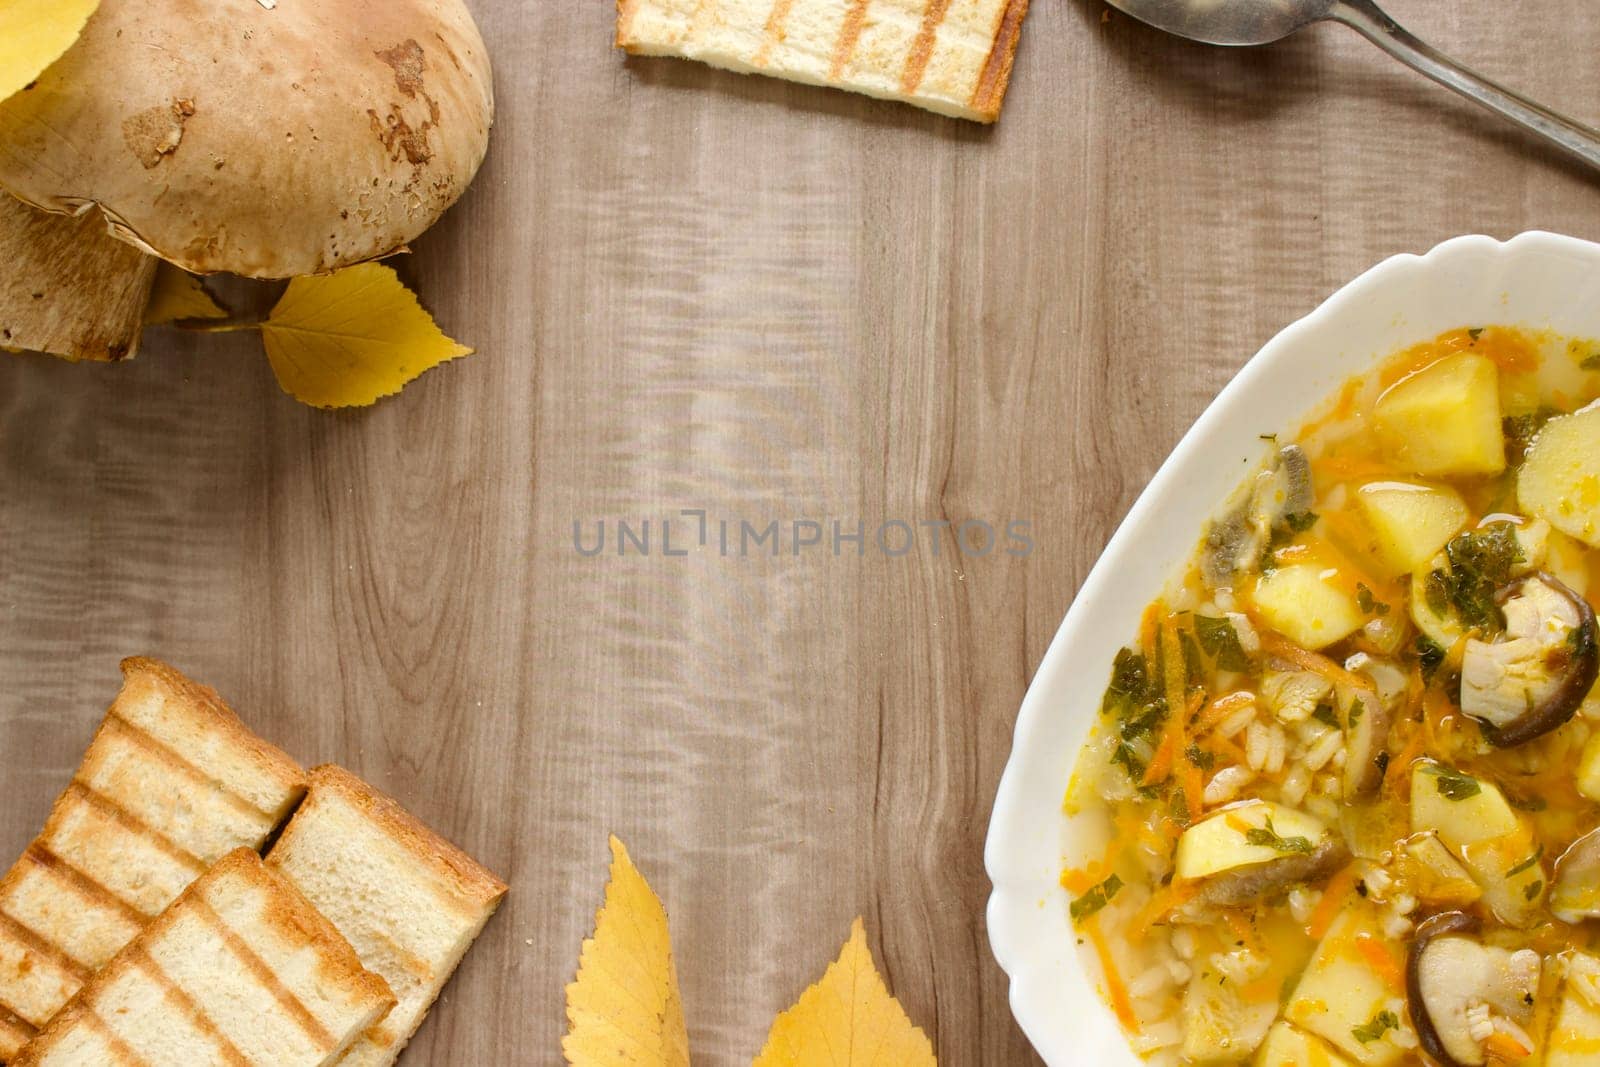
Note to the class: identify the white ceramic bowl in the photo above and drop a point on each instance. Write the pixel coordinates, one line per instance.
(1535, 280)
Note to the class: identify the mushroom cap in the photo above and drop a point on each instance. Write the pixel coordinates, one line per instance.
(1448, 970)
(226, 136)
(1535, 679)
(1575, 894)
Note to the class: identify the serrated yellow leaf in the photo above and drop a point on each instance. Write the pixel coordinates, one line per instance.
(623, 1009)
(848, 1019)
(348, 338)
(34, 34)
(178, 295)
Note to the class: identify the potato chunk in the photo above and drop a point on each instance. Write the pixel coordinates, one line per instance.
(1287, 1047)
(1461, 809)
(1221, 842)
(1342, 999)
(1560, 481)
(1445, 419)
(1574, 1039)
(1306, 604)
(1411, 521)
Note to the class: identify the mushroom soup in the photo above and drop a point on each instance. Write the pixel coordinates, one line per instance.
(1342, 805)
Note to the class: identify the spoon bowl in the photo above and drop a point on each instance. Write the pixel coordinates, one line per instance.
(1255, 22)
(1228, 22)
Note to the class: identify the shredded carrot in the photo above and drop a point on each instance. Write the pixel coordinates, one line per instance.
(1165, 901)
(1149, 627)
(1162, 759)
(1340, 886)
(1236, 824)
(1502, 1045)
(1116, 990)
(1221, 708)
(1287, 650)
(1377, 954)
(1078, 882)
(1399, 780)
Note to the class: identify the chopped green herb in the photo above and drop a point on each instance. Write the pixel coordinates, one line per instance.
(1526, 803)
(1526, 864)
(1481, 561)
(1591, 361)
(1358, 708)
(1369, 604)
(1429, 655)
(1475, 332)
(1533, 891)
(1221, 642)
(1199, 757)
(1452, 784)
(1130, 683)
(1144, 722)
(1194, 668)
(1374, 1029)
(1095, 899)
(1325, 714)
(1179, 808)
(1267, 837)
(1520, 430)
(1129, 760)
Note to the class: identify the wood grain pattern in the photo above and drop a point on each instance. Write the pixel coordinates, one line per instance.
(691, 289)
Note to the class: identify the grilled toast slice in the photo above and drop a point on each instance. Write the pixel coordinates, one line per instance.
(409, 901)
(240, 970)
(171, 783)
(949, 56)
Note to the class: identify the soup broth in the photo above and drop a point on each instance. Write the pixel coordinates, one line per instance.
(1341, 803)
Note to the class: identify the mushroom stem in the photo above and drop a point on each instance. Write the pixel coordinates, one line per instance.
(69, 287)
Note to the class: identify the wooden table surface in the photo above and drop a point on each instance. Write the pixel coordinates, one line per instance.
(693, 290)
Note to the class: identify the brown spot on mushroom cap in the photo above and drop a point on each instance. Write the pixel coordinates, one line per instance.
(155, 133)
(407, 60)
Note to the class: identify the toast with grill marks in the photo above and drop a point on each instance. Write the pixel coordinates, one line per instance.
(409, 902)
(240, 970)
(949, 56)
(171, 783)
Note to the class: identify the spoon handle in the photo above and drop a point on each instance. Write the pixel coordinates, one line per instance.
(1365, 16)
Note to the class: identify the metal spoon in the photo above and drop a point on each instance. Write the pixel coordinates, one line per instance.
(1250, 22)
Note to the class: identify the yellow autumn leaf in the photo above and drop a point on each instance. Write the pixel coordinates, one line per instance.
(848, 1019)
(34, 34)
(623, 1009)
(348, 338)
(178, 295)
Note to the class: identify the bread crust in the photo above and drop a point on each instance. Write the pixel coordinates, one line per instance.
(996, 78)
(337, 961)
(477, 884)
(200, 729)
(271, 759)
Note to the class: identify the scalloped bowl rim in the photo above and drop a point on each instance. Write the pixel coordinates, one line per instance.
(1536, 279)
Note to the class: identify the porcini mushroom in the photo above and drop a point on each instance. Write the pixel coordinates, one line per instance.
(1534, 679)
(1461, 991)
(1368, 722)
(1279, 497)
(1575, 894)
(264, 140)
(68, 288)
